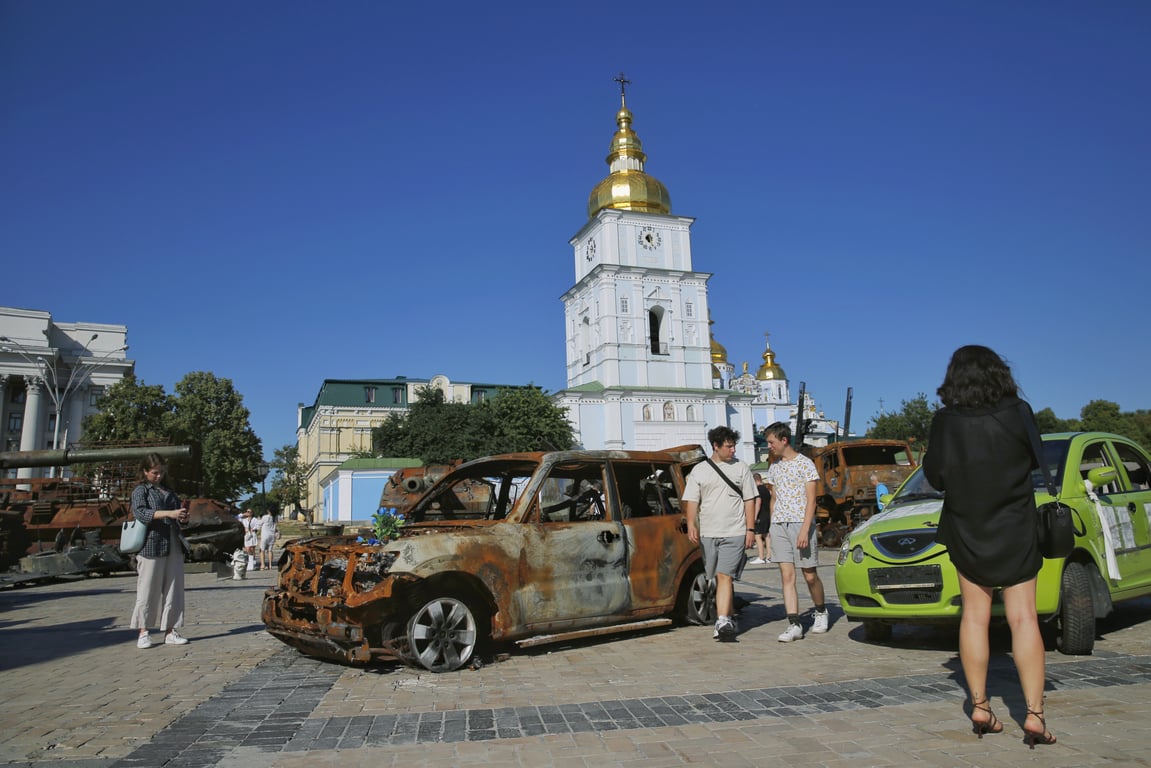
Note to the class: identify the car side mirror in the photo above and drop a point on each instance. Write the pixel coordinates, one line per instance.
(885, 499)
(1101, 476)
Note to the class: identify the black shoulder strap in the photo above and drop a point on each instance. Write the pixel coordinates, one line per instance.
(1037, 449)
(726, 479)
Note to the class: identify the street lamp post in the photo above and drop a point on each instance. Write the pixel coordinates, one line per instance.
(263, 468)
(47, 365)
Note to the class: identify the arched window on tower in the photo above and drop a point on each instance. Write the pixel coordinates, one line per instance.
(657, 329)
(585, 340)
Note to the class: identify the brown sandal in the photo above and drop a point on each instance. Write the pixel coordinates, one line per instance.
(1042, 736)
(991, 725)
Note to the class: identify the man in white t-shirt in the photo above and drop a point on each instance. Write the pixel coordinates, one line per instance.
(793, 478)
(719, 501)
(268, 535)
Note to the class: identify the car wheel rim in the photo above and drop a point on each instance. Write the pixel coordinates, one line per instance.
(700, 596)
(442, 634)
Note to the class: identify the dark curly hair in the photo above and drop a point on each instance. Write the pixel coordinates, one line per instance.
(721, 434)
(976, 378)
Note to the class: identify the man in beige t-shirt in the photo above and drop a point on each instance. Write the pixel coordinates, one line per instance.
(719, 501)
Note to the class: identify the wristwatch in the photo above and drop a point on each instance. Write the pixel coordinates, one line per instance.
(751, 530)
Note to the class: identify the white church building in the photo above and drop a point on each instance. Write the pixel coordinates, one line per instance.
(643, 370)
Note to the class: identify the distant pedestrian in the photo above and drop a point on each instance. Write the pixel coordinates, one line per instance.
(792, 478)
(160, 564)
(251, 535)
(880, 491)
(980, 455)
(268, 535)
(719, 502)
(762, 523)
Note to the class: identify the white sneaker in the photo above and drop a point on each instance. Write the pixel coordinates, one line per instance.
(725, 630)
(756, 561)
(793, 632)
(820, 622)
(173, 638)
(144, 641)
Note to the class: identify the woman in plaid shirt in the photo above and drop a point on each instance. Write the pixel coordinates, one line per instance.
(160, 564)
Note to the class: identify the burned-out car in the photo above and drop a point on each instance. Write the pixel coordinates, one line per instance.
(845, 496)
(523, 548)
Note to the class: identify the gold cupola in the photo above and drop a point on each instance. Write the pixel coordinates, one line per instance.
(770, 370)
(718, 352)
(627, 187)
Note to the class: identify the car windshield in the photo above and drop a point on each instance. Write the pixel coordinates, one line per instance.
(485, 490)
(915, 488)
(866, 455)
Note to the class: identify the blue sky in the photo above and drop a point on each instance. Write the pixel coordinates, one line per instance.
(874, 183)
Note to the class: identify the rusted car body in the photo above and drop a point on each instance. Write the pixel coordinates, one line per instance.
(526, 548)
(845, 496)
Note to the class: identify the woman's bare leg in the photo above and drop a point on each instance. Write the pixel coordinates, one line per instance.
(1027, 647)
(974, 645)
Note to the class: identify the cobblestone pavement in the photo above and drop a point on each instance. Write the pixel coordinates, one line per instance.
(78, 694)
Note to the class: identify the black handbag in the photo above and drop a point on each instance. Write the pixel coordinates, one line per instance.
(1055, 520)
(1056, 530)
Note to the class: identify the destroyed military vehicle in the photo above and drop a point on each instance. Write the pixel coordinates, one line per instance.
(845, 496)
(63, 526)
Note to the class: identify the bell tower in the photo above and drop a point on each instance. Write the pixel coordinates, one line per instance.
(637, 314)
(639, 356)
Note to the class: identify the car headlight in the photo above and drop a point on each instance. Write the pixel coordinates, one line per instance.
(843, 550)
(857, 554)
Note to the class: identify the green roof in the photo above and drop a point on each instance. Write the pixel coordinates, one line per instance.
(595, 386)
(353, 393)
(381, 463)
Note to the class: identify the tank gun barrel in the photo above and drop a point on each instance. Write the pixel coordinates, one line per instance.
(66, 456)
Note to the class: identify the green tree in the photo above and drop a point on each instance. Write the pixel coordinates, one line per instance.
(210, 412)
(912, 422)
(1048, 422)
(131, 411)
(1140, 426)
(524, 420)
(392, 438)
(439, 431)
(436, 431)
(1103, 416)
(290, 476)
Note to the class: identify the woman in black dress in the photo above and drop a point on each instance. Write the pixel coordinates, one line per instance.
(979, 453)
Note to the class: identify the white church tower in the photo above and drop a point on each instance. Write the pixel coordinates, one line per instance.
(639, 352)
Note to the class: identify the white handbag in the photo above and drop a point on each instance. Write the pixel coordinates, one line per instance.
(132, 535)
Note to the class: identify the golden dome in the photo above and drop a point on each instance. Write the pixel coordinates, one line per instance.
(627, 187)
(718, 351)
(769, 370)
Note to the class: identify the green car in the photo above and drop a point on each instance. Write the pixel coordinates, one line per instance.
(891, 570)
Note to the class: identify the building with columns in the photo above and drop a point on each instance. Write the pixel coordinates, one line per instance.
(52, 375)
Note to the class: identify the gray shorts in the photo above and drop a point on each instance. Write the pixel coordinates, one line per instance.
(784, 550)
(723, 555)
